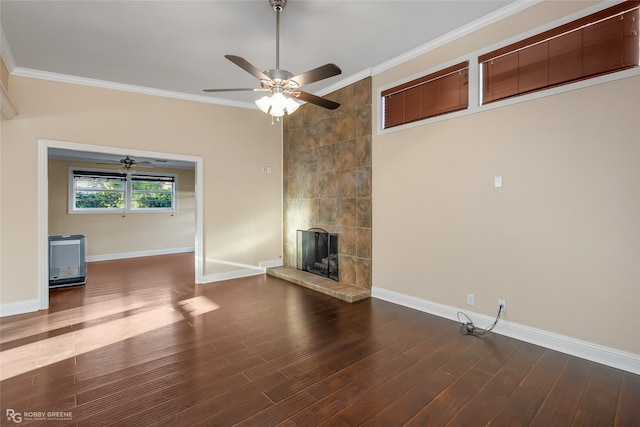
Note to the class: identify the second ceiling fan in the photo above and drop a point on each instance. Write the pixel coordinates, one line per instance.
(282, 84)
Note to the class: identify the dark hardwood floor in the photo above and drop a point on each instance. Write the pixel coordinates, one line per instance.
(140, 344)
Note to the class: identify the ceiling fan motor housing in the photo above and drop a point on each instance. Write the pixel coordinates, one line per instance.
(278, 5)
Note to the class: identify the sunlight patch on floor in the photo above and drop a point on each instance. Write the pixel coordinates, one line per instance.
(62, 319)
(45, 352)
(198, 305)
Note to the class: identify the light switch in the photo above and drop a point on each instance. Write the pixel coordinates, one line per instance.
(497, 181)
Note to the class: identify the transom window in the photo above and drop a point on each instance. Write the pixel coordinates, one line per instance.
(598, 44)
(438, 93)
(99, 191)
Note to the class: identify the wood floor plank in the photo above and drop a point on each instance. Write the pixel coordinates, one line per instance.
(478, 411)
(171, 402)
(235, 413)
(314, 350)
(129, 399)
(546, 371)
(384, 394)
(361, 368)
(206, 406)
(600, 396)
(628, 409)
(278, 412)
(519, 409)
(302, 377)
(448, 403)
(259, 351)
(561, 403)
(515, 370)
(352, 392)
(585, 419)
(462, 362)
(505, 348)
(410, 403)
(333, 422)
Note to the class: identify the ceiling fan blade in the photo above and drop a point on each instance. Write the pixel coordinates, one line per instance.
(243, 89)
(248, 67)
(313, 99)
(320, 73)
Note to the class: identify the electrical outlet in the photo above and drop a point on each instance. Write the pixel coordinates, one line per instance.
(471, 299)
(502, 303)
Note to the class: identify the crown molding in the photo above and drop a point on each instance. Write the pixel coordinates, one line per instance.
(5, 52)
(66, 78)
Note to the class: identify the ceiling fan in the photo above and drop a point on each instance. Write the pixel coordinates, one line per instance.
(282, 84)
(127, 163)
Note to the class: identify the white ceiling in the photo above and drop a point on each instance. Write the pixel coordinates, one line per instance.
(179, 46)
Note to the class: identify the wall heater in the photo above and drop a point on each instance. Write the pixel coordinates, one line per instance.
(67, 265)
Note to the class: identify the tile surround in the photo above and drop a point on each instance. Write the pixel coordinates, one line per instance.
(327, 178)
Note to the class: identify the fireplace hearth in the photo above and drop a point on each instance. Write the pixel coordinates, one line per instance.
(317, 253)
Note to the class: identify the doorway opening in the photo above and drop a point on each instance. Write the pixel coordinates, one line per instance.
(92, 154)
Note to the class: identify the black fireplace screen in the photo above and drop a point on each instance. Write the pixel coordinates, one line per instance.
(317, 253)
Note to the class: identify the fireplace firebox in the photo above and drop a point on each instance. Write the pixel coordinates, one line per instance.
(317, 253)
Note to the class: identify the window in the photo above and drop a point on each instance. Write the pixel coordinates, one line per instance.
(94, 191)
(151, 192)
(595, 45)
(98, 190)
(438, 93)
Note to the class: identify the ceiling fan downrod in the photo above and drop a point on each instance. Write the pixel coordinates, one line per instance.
(278, 6)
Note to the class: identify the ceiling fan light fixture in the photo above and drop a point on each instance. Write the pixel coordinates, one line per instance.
(277, 104)
(290, 105)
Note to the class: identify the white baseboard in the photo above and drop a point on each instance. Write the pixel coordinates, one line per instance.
(607, 356)
(123, 255)
(235, 274)
(245, 272)
(20, 307)
(271, 263)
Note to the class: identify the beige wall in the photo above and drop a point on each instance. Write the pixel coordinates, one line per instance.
(560, 242)
(114, 233)
(242, 206)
